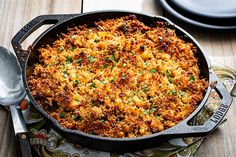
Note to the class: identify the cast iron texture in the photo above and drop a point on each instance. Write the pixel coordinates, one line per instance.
(28, 58)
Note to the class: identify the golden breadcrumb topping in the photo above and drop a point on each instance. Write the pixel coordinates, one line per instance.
(119, 78)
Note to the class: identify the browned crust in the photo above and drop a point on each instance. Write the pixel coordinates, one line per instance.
(120, 78)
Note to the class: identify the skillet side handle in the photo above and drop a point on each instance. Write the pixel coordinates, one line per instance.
(29, 28)
(225, 104)
(184, 130)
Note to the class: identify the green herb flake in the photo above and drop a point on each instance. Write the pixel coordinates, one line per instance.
(76, 99)
(76, 82)
(145, 89)
(160, 51)
(65, 74)
(113, 80)
(174, 92)
(62, 48)
(69, 59)
(142, 71)
(153, 70)
(103, 82)
(74, 116)
(191, 78)
(103, 66)
(170, 80)
(168, 73)
(102, 121)
(182, 93)
(124, 65)
(93, 85)
(72, 48)
(91, 59)
(154, 109)
(168, 92)
(79, 60)
(186, 36)
(123, 77)
(73, 36)
(96, 40)
(62, 115)
(148, 111)
(112, 57)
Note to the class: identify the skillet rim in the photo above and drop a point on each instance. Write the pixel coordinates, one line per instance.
(96, 137)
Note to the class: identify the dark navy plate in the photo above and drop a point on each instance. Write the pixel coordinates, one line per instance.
(214, 14)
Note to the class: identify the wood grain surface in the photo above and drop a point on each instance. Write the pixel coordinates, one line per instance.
(14, 14)
(219, 46)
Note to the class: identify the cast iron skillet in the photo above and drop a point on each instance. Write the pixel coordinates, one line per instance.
(62, 22)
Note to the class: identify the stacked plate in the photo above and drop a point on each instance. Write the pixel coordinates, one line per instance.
(214, 14)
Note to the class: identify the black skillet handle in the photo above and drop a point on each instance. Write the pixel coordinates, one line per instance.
(214, 120)
(24, 146)
(29, 28)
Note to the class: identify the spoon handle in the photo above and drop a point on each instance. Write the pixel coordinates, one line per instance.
(21, 132)
(24, 146)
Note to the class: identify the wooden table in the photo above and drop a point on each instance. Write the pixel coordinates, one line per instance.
(219, 46)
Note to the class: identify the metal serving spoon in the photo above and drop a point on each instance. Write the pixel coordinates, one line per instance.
(12, 92)
(11, 85)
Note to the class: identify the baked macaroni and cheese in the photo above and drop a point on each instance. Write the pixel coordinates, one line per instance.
(118, 78)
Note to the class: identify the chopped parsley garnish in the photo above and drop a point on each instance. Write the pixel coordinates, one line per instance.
(73, 36)
(174, 92)
(103, 82)
(191, 78)
(72, 48)
(160, 50)
(113, 57)
(186, 36)
(68, 60)
(76, 82)
(65, 74)
(113, 80)
(168, 92)
(62, 48)
(182, 93)
(153, 70)
(124, 77)
(170, 80)
(154, 109)
(148, 111)
(62, 115)
(74, 116)
(168, 73)
(96, 40)
(103, 66)
(76, 99)
(102, 121)
(145, 89)
(93, 85)
(79, 60)
(91, 59)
